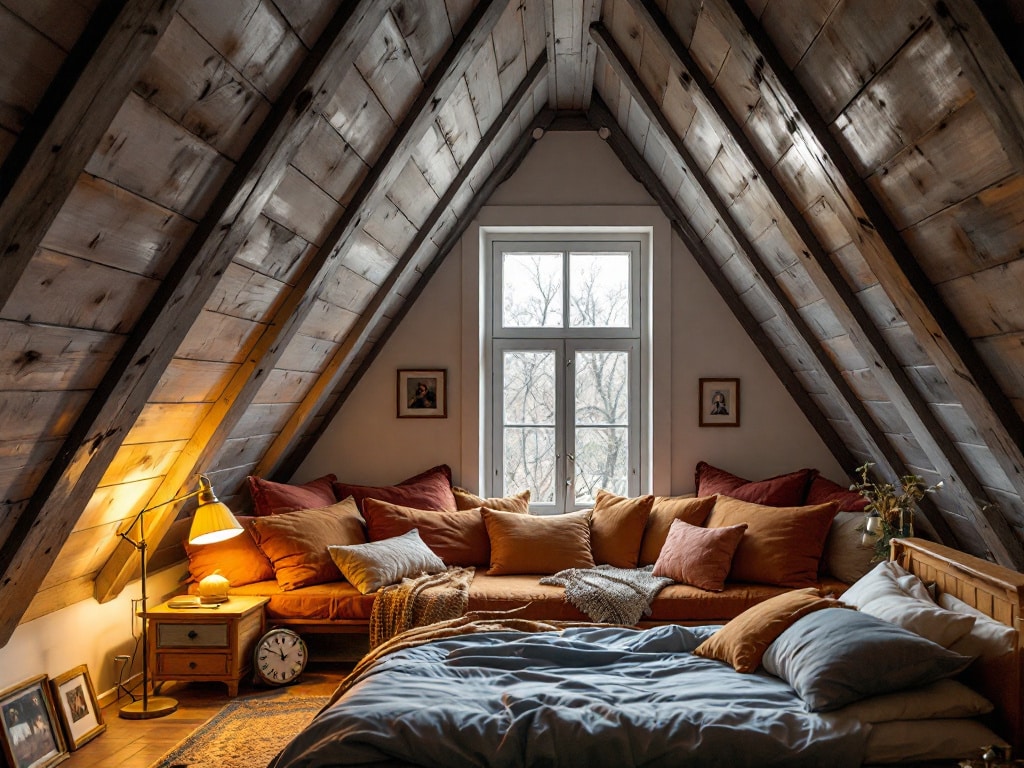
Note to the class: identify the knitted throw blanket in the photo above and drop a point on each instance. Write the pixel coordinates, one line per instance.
(417, 602)
(609, 594)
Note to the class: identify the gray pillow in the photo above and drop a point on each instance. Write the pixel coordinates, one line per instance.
(368, 567)
(836, 656)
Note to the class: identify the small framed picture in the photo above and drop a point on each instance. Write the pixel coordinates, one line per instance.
(422, 393)
(719, 402)
(77, 707)
(31, 734)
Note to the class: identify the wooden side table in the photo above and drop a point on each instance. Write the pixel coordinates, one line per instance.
(214, 642)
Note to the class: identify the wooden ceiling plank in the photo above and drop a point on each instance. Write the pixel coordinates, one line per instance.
(919, 302)
(373, 313)
(48, 156)
(784, 308)
(28, 552)
(292, 311)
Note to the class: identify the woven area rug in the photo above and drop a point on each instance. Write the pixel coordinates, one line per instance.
(247, 733)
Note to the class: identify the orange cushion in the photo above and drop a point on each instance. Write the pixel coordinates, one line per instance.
(457, 537)
(296, 542)
(237, 559)
(617, 527)
(787, 490)
(823, 490)
(537, 544)
(466, 500)
(666, 509)
(431, 489)
(743, 641)
(270, 498)
(699, 556)
(782, 545)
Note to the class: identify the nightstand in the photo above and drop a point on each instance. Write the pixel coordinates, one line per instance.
(214, 642)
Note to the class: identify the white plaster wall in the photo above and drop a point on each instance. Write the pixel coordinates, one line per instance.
(568, 176)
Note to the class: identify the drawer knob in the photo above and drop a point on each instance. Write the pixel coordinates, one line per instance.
(192, 634)
(191, 665)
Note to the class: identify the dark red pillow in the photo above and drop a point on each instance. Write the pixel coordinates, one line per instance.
(270, 498)
(431, 489)
(789, 490)
(823, 490)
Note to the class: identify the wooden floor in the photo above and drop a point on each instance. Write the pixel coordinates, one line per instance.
(139, 743)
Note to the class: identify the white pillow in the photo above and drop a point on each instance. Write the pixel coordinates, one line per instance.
(943, 698)
(987, 639)
(891, 593)
(902, 741)
(379, 563)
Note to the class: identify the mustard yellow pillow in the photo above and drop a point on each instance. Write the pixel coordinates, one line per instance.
(467, 500)
(743, 641)
(537, 543)
(689, 509)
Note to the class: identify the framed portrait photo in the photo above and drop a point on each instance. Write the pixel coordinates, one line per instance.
(719, 402)
(31, 735)
(77, 707)
(422, 393)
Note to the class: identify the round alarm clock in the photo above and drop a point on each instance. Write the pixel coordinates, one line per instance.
(280, 657)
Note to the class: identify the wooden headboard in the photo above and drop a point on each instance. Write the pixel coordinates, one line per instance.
(995, 591)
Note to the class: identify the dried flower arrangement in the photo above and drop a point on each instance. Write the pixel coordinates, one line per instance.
(895, 510)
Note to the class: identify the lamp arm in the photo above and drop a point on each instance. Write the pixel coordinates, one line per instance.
(141, 542)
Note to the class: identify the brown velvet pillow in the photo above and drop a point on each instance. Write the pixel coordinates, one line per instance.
(689, 509)
(466, 500)
(789, 490)
(782, 545)
(617, 527)
(743, 641)
(537, 543)
(238, 559)
(458, 538)
(296, 542)
(823, 490)
(699, 556)
(270, 498)
(431, 489)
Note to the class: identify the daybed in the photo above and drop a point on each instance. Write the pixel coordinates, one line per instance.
(792, 528)
(829, 686)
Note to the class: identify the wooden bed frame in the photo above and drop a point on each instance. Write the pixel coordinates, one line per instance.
(997, 592)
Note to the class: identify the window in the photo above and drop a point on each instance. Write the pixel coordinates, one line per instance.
(564, 387)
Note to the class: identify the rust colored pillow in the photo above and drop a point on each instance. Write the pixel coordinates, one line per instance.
(823, 490)
(466, 500)
(782, 545)
(458, 538)
(270, 498)
(743, 641)
(431, 489)
(689, 509)
(537, 543)
(789, 490)
(699, 556)
(617, 527)
(238, 559)
(296, 542)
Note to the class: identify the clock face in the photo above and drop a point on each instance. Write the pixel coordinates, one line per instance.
(280, 657)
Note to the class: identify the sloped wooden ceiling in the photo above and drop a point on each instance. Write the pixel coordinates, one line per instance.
(212, 215)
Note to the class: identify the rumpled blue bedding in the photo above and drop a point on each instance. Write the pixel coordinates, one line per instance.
(588, 696)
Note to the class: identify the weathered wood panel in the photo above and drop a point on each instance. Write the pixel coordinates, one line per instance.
(389, 227)
(161, 422)
(388, 68)
(412, 195)
(273, 250)
(369, 259)
(327, 159)
(306, 353)
(457, 122)
(988, 303)
(302, 207)
(358, 116)
(433, 157)
(284, 386)
(33, 60)
(244, 293)
(794, 25)
(243, 452)
(22, 464)
(141, 462)
(347, 289)
(192, 381)
(307, 18)
(510, 50)
(262, 419)
(41, 357)
(219, 338)
(426, 31)
(29, 416)
(327, 321)
(62, 21)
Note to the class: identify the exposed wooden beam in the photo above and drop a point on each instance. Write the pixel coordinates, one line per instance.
(374, 312)
(782, 305)
(934, 326)
(300, 298)
(63, 132)
(92, 442)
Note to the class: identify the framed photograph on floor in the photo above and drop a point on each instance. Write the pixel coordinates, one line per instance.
(31, 735)
(423, 393)
(719, 402)
(79, 712)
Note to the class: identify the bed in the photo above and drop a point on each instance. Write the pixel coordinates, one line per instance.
(502, 691)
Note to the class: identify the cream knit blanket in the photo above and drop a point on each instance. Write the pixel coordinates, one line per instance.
(426, 599)
(609, 594)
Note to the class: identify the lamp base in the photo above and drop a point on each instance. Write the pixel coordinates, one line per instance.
(157, 706)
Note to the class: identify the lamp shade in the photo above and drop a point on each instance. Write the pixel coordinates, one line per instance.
(212, 521)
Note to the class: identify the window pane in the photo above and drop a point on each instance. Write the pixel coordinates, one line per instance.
(602, 388)
(531, 289)
(602, 461)
(599, 290)
(529, 395)
(530, 461)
